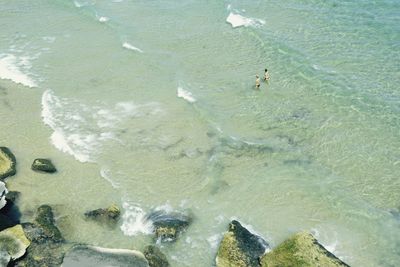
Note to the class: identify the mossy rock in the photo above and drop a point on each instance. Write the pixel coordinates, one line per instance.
(14, 241)
(301, 250)
(168, 226)
(47, 247)
(240, 248)
(43, 165)
(108, 215)
(7, 163)
(45, 220)
(155, 257)
(44, 251)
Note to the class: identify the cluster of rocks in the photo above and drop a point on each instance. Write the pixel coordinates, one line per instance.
(241, 248)
(41, 243)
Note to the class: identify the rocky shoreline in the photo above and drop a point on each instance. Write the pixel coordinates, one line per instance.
(41, 243)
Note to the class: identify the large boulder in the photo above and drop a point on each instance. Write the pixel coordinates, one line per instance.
(240, 248)
(302, 249)
(7, 163)
(82, 255)
(168, 225)
(14, 242)
(108, 215)
(43, 165)
(155, 257)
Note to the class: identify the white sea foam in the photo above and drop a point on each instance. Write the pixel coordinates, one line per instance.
(104, 19)
(3, 192)
(134, 220)
(182, 93)
(214, 240)
(131, 47)
(11, 69)
(105, 173)
(80, 4)
(237, 20)
(49, 39)
(81, 130)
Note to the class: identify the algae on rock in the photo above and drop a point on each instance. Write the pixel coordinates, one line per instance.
(45, 219)
(108, 215)
(14, 242)
(155, 257)
(43, 165)
(303, 250)
(240, 248)
(7, 163)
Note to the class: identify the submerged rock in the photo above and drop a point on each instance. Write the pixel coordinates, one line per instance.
(108, 215)
(168, 226)
(13, 196)
(155, 257)
(7, 163)
(47, 244)
(240, 248)
(302, 249)
(82, 255)
(45, 220)
(43, 251)
(43, 165)
(14, 242)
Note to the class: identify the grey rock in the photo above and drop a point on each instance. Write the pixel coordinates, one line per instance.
(83, 255)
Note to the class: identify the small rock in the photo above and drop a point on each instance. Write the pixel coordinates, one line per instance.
(302, 249)
(168, 226)
(108, 215)
(14, 241)
(7, 163)
(240, 248)
(155, 257)
(82, 255)
(43, 165)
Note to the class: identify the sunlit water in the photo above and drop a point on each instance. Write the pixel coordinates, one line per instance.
(150, 104)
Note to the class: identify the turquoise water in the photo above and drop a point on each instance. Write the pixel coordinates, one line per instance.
(151, 105)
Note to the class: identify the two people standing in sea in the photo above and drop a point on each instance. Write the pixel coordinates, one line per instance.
(266, 79)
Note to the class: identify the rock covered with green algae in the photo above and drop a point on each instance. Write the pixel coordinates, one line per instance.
(303, 250)
(45, 220)
(83, 255)
(13, 242)
(108, 215)
(155, 257)
(240, 248)
(47, 244)
(7, 163)
(43, 165)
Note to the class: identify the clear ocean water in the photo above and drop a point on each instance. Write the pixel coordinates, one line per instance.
(150, 105)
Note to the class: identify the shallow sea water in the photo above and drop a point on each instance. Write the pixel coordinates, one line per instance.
(150, 105)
